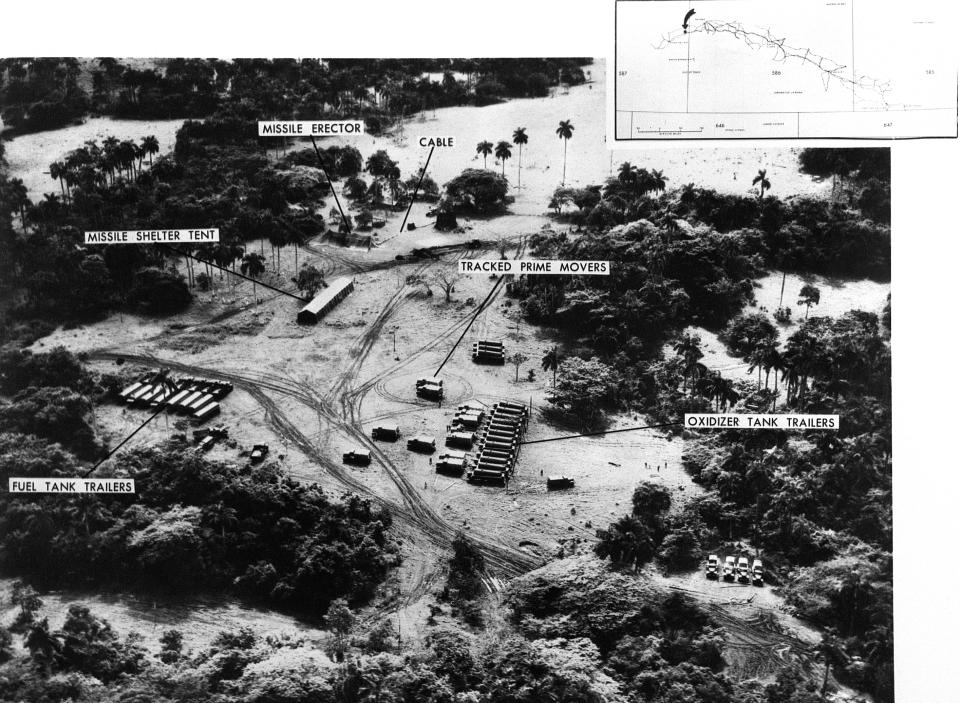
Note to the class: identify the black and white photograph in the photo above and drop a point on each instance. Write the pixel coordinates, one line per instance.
(358, 380)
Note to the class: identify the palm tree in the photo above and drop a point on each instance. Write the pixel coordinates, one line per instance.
(222, 516)
(485, 148)
(16, 194)
(253, 265)
(550, 362)
(564, 132)
(627, 174)
(658, 182)
(503, 152)
(688, 347)
(756, 358)
(761, 178)
(772, 361)
(57, 172)
(809, 295)
(150, 146)
(520, 138)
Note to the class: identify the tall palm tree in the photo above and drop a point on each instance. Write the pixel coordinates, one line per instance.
(16, 194)
(772, 360)
(150, 146)
(756, 358)
(57, 172)
(627, 174)
(658, 182)
(550, 362)
(761, 178)
(503, 152)
(520, 138)
(485, 148)
(688, 347)
(564, 132)
(809, 295)
(253, 264)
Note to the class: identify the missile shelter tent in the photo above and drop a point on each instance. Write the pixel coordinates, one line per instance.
(325, 301)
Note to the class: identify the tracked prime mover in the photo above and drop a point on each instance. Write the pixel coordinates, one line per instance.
(499, 438)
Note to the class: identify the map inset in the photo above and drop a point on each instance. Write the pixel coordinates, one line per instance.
(727, 69)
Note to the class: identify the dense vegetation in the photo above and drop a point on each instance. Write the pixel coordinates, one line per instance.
(819, 510)
(578, 634)
(193, 523)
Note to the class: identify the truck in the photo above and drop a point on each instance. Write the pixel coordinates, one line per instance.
(430, 390)
(422, 443)
(556, 483)
(451, 462)
(729, 569)
(389, 432)
(357, 457)
(713, 567)
(757, 572)
(743, 570)
(460, 439)
(258, 453)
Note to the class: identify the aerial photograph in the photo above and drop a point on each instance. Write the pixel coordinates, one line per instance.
(278, 425)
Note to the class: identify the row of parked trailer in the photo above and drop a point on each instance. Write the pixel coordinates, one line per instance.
(735, 569)
(499, 436)
(198, 398)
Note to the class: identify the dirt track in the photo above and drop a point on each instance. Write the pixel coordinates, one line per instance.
(340, 408)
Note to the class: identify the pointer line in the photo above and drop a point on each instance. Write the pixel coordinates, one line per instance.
(594, 434)
(330, 182)
(414, 196)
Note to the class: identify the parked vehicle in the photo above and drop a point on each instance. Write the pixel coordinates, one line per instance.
(258, 453)
(422, 443)
(757, 572)
(729, 569)
(743, 570)
(357, 457)
(429, 389)
(451, 462)
(460, 439)
(713, 567)
(389, 432)
(556, 483)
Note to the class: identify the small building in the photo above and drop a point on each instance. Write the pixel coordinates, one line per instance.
(325, 301)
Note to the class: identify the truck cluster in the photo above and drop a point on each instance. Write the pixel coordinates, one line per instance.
(198, 398)
(735, 569)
